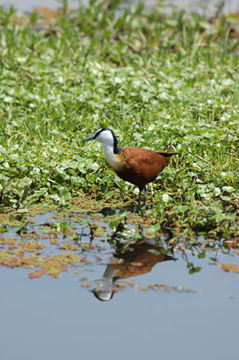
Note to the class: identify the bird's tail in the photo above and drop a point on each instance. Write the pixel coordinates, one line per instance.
(166, 153)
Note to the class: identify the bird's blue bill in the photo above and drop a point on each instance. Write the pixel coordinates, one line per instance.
(89, 138)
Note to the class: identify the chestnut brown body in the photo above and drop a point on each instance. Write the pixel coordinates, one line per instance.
(140, 166)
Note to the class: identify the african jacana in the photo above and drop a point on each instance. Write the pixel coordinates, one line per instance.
(136, 165)
(133, 260)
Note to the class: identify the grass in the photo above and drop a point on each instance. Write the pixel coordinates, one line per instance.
(162, 81)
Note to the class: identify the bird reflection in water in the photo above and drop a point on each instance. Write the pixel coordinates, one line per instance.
(133, 260)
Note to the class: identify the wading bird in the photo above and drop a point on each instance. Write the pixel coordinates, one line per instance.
(128, 261)
(136, 165)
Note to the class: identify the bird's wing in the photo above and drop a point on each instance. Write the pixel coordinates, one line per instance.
(146, 162)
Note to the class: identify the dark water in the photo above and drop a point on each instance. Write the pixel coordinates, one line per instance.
(50, 318)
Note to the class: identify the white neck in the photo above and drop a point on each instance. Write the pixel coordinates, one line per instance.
(106, 288)
(106, 138)
(109, 152)
(111, 271)
(110, 156)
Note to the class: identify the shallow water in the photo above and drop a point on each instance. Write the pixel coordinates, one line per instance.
(189, 316)
(27, 5)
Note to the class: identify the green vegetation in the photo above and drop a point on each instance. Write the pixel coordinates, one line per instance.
(162, 81)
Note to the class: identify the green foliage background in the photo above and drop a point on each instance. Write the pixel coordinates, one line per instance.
(162, 80)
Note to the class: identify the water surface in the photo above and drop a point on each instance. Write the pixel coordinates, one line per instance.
(58, 318)
(27, 5)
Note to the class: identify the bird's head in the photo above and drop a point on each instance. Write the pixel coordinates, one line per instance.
(105, 136)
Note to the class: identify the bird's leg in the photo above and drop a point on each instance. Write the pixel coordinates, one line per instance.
(139, 201)
(145, 195)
